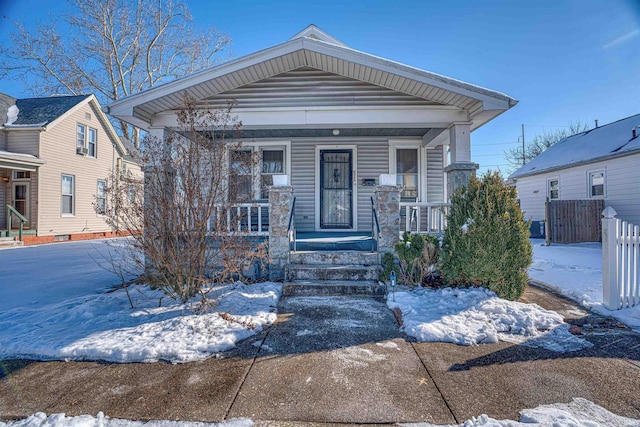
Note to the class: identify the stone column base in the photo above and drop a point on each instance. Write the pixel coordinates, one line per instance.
(458, 175)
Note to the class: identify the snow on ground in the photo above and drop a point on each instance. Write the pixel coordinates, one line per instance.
(40, 275)
(65, 313)
(575, 270)
(476, 315)
(577, 413)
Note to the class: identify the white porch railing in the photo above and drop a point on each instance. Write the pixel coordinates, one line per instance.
(620, 258)
(423, 217)
(251, 219)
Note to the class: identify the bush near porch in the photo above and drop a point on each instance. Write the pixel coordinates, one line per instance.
(486, 242)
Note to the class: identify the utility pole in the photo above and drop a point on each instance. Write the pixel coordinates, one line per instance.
(523, 159)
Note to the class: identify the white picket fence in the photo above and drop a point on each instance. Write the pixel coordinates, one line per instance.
(620, 259)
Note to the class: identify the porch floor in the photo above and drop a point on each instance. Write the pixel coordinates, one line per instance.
(334, 241)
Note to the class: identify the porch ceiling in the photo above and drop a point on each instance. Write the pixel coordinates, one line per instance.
(19, 161)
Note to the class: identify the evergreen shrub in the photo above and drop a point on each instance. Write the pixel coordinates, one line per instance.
(486, 242)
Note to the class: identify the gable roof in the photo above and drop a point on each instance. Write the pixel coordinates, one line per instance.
(611, 140)
(42, 111)
(313, 48)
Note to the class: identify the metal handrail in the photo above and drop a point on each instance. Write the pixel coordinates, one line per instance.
(375, 226)
(291, 228)
(23, 220)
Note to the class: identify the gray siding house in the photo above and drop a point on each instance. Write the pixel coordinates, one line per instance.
(313, 105)
(601, 163)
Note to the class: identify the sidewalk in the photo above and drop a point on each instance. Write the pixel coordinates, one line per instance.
(340, 360)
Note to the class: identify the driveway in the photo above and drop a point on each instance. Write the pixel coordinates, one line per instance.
(341, 360)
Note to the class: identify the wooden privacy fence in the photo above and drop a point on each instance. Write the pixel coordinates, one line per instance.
(620, 258)
(573, 221)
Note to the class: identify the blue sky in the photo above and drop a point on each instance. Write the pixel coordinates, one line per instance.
(564, 60)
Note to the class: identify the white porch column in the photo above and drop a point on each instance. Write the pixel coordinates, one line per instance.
(461, 167)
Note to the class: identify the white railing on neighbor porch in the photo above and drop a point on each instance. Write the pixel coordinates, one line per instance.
(251, 219)
(423, 217)
(620, 259)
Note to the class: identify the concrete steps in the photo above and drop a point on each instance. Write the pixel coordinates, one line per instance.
(314, 273)
(9, 242)
(334, 288)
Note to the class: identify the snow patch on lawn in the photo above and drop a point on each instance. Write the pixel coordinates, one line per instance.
(575, 270)
(577, 413)
(104, 327)
(40, 419)
(476, 315)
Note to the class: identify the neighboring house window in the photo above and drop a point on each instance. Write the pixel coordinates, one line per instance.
(68, 194)
(87, 141)
(554, 189)
(131, 191)
(242, 176)
(407, 172)
(596, 184)
(82, 132)
(101, 197)
(92, 142)
(272, 164)
(21, 174)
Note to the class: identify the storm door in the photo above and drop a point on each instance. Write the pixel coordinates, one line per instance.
(21, 199)
(336, 189)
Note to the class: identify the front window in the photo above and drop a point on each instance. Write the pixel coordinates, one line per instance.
(241, 175)
(68, 195)
(407, 172)
(554, 189)
(272, 164)
(596, 184)
(82, 132)
(101, 197)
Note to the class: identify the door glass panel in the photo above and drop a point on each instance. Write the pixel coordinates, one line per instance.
(336, 190)
(20, 199)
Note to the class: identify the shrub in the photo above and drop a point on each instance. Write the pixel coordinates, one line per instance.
(417, 256)
(486, 242)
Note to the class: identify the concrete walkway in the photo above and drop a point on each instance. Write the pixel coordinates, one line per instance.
(341, 360)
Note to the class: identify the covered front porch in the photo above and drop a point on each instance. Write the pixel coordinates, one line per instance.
(18, 194)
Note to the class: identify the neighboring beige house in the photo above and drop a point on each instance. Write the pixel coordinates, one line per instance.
(55, 154)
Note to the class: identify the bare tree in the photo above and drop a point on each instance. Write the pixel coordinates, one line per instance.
(186, 232)
(112, 48)
(540, 143)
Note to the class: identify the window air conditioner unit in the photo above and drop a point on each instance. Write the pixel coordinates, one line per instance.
(82, 150)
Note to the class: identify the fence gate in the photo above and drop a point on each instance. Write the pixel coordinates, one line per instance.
(574, 221)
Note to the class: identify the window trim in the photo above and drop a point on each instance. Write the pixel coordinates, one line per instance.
(72, 195)
(86, 130)
(103, 197)
(395, 145)
(94, 142)
(260, 146)
(590, 175)
(549, 180)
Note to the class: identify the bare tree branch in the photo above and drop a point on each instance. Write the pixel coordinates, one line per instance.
(540, 143)
(112, 48)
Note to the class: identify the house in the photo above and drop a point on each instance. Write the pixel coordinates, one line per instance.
(332, 119)
(55, 154)
(601, 163)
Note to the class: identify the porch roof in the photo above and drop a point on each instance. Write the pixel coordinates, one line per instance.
(313, 50)
(19, 161)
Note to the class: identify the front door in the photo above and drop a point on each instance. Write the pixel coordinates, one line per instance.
(21, 199)
(336, 189)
